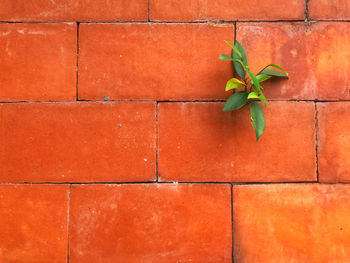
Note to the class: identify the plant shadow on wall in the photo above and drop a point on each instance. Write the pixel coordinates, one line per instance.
(252, 90)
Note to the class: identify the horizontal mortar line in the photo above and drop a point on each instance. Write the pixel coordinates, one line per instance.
(68, 21)
(330, 20)
(156, 101)
(281, 182)
(34, 101)
(306, 100)
(166, 183)
(168, 101)
(268, 100)
(190, 22)
(178, 22)
(116, 183)
(161, 22)
(73, 101)
(189, 101)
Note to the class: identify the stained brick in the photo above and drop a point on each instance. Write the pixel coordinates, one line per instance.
(87, 141)
(316, 56)
(334, 141)
(73, 10)
(153, 61)
(33, 223)
(306, 223)
(189, 10)
(38, 62)
(199, 142)
(329, 9)
(150, 223)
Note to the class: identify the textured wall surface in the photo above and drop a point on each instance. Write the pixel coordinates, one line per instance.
(114, 146)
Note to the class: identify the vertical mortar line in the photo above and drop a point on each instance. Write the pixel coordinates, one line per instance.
(148, 16)
(307, 10)
(235, 31)
(157, 140)
(316, 141)
(234, 42)
(234, 73)
(68, 222)
(232, 225)
(77, 64)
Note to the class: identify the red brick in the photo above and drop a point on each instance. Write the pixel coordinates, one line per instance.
(73, 10)
(153, 61)
(33, 223)
(316, 56)
(77, 142)
(38, 62)
(185, 10)
(199, 142)
(334, 141)
(329, 9)
(150, 223)
(304, 223)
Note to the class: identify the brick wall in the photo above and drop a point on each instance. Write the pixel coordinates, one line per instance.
(114, 146)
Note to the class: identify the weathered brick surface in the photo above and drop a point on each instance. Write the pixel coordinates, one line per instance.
(153, 89)
(316, 57)
(199, 142)
(38, 62)
(33, 223)
(334, 141)
(73, 10)
(199, 10)
(153, 61)
(150, 223)
(329, 9)
(306, 223)
(72, 142)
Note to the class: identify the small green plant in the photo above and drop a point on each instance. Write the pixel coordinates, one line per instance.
(251, 83)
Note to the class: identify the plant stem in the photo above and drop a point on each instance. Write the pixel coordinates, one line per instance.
(263, 69)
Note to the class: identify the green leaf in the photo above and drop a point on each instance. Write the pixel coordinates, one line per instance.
(234, 49)
(261, 96)
(253, 95)
(238, 67)
(225, 57)
(236, 101)
(242, 51)
(272, 72)
(278, 67)
(258, 120)
(234, 84)
(244, 67)
(237, 54)
(255, 81)
(262, 77)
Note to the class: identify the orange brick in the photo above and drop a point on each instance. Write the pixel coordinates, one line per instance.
(77, 142)
(38, 62)
(151, 223)
(334, 141)
(33, 223)
(304, 223)
(153, 61)
(73, 10)
(316, 56)
(329, 9)
(189, 10)
(199, 142)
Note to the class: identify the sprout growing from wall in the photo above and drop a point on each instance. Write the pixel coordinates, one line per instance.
(252, 89)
